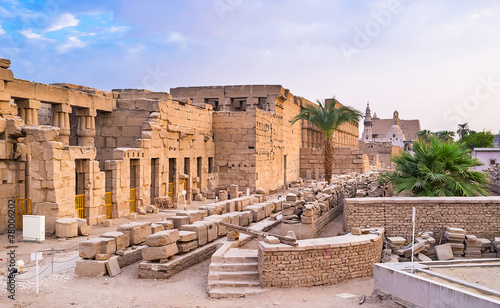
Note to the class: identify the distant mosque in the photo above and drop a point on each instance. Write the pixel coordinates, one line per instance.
(400, 132)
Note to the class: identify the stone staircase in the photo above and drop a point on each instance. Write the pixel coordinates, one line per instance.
(234, 274)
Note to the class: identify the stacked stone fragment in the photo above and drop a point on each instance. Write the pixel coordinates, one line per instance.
(161, 245)
(487, 248)
(473, 246)
(496, 244)
(290, 209)
(187, 241)
(456, 237)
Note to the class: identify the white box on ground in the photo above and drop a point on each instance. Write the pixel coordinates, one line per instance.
(34, 228)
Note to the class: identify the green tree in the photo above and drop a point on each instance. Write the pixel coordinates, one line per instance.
(327, 118)
(436, 169)
(482, 139)
(425, 135)
(445, 135)
(463, 129)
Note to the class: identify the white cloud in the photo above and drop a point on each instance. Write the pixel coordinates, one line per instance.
(72, 42)
(28, 33)
(65, 20)
(176, 37)
(2, 31)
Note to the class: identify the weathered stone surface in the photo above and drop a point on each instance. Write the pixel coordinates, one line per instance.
(161, 252)
(121, 239)
(67, 227)
(200, 229)
(167, 224)
(90, 268)
(212, 229)
(82, 226)
(187, 236)
(178, 221)
(137, 231)
(113, 267)
(162, 238)
(187, 246)
(444, 252)
(102, 257)
(157, 228)
(90, 248)
(271, 239)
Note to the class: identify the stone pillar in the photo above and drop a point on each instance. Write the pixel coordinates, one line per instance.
(29, 111)
(86, 126)
(309, 138)
(5, 77)
(304, 137)
(61, 120)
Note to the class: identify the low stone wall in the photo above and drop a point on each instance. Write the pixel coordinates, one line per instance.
(478, 215)
(319, 223)
(321, 261)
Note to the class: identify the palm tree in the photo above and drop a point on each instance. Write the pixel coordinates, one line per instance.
(425, 135)
(328, 118)
(445, 135)
(438, 169)
(463, 129)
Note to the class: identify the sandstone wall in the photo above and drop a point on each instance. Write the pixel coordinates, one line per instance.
(478, 215)
(384, 150)
(345, 160)
(318, 262)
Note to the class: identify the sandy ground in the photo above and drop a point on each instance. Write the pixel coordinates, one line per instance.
(186, 289)
(483, 276)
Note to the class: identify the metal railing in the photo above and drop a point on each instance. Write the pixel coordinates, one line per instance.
(108, 203)
(132, 200)
(80, 205)
(171, 190)
(23, 207)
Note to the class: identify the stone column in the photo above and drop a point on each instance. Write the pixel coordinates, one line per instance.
(309, 138)
(304, 136)
(29, 111)
(86, 126)
(61, 120)
(5, 77)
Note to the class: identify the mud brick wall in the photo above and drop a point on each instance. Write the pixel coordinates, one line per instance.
(477, 215)
(318, 262)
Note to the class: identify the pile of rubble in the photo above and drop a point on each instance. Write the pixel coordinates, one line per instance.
(456, 243)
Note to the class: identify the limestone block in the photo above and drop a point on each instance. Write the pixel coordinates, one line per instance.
(187, 246)
(187, 236)
(233, 235)
(157, 228)
(271, 239)
(234, 218)
(90, 268)
(444, 252)
(268, 208)
(222, 195)
(82, 226)
(113, 267)
(121, 239)
(161, 252)
(222, 231)
(178, 221)
(162, 238)
(66, 227)
(230, 206)
(102, 257)
(212, 230)
(245, 218)
(137, 231)
(90, 248)
(108, 223)
(167, 224)
(193, 215)
(257, 211)
(200, 229)
(291, 197)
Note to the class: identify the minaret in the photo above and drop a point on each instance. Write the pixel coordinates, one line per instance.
(395, 117)
(368, 125)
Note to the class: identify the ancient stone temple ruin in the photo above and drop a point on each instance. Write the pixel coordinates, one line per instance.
(73, 151)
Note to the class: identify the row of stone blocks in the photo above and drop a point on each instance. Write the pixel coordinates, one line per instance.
(159, 241)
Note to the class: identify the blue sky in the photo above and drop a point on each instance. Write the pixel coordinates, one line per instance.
(433, 60)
